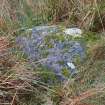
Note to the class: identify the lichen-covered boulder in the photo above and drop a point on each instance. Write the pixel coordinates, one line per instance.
(52, 50)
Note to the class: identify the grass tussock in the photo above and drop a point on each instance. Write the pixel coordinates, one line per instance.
(86, 14)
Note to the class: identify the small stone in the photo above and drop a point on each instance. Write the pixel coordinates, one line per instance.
(75, 32)
(71, 65)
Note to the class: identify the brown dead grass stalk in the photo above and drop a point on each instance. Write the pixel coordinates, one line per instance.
(77, 99)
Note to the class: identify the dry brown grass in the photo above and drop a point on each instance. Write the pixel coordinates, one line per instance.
(5, 56)
(4, 43)
(3, 24)
(85, 95)
(98, 52)
(83, 13)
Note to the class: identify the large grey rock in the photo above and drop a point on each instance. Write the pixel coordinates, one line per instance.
(38, 51)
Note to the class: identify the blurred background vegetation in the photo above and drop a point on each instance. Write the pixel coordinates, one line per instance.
(87, 14)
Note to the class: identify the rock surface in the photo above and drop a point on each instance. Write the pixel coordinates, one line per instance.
(75, 32)
(50, 51)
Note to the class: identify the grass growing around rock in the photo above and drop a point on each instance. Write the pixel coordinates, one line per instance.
(21, 84)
